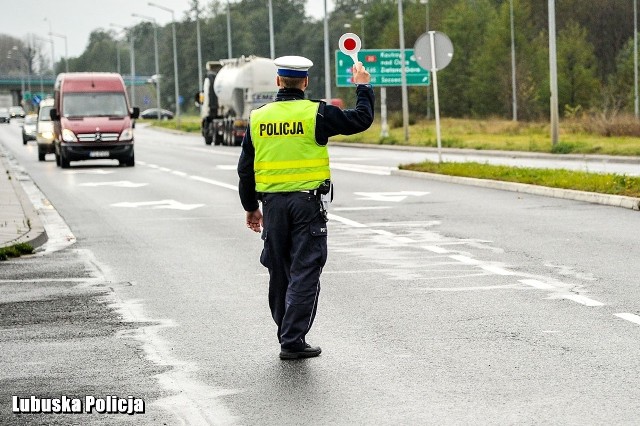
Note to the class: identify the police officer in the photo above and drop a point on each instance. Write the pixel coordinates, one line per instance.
(285, 164)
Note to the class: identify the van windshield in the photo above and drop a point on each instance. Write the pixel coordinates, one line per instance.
(44, 115)
(94, 105)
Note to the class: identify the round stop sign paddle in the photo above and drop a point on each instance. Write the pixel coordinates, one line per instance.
(350, 45)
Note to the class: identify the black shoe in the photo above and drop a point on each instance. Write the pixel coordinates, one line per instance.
(308, 352)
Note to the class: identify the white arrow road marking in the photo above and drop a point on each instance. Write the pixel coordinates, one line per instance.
(119, 184)
(162, 204)
(395, 197)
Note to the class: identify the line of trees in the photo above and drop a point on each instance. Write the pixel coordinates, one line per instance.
(594, 44)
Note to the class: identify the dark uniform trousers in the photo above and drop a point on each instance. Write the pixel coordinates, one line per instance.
(295, 251)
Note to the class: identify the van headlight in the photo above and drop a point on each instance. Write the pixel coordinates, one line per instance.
(68, 136)
(47, 135)
(126, 135)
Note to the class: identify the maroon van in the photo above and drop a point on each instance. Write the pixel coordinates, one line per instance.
(92, 118)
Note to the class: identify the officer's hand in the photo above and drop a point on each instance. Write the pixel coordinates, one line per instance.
(360, 75)
(254, 220)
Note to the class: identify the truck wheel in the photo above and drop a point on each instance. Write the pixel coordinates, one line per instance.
(238, 141)
(41, 155)
(218, 138)
(208, 140)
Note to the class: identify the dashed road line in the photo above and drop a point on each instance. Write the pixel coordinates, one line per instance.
(583, 300)
(629, 317)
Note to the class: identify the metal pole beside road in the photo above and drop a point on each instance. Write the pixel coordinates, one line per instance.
(155, 42)
(553, 73)
(403, 74)
(327, 63)
(175, 60)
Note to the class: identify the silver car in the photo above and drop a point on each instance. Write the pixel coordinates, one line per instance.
(29, 128)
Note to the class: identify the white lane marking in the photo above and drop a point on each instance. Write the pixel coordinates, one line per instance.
(181, 174)
(383, 232)
(395, 197)
(353, 209)
(538, 284)
(214, 182)
(164, 169)
(465, 259)
(486, 287)
(629, 317)
(361, 168)
(436, 249)
(162, 204)
(89, 172)
(496, 270)
(118, 184)
(153, 166)
(582, 300)
(346, 221)
(227, 167)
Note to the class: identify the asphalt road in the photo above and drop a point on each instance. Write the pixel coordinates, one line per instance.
(440, 303)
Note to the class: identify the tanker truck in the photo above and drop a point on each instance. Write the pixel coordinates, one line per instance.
(231, 90)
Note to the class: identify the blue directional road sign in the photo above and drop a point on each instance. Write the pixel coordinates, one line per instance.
(385, 68)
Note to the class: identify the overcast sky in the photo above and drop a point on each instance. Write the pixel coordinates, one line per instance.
(75, 19)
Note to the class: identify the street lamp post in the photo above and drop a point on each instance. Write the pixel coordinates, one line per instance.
(360, 16)
(635, 57)
(403, 74)
(229, 50)
(53, 61)
(27, 67)
(155, 43)
(66, 51)
(49, 40)
(513, 65)
(426, 4)
(553, 73)
(133, 62)
(199, 46)
(327, 64)
(271, 42)
(175, 59)
(14, 49)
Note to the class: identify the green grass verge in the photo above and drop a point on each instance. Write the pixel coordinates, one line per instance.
(188, 123)
(15, 250)
(501, 135)
(555, 178)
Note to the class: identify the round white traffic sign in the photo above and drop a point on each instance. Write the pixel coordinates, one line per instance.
(443, 51)
(350, 45)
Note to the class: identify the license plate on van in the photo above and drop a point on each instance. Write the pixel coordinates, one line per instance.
(98, 154)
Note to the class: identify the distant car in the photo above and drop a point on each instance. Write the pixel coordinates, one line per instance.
(29, 128)
(16, 112)
(44, 133)
(153, 113)
(5, 116)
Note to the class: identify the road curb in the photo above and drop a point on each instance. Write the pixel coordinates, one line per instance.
(36, 234)
(504, 154)
(567, 194)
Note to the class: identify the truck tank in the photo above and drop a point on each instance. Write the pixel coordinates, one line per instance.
(232, 89)
(245, 83)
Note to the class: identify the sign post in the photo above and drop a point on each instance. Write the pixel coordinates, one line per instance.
(434, 51)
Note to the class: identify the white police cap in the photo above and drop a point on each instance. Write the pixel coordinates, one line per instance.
(293, 66)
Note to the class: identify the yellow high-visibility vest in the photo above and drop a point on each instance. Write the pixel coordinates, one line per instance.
(287, 157)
